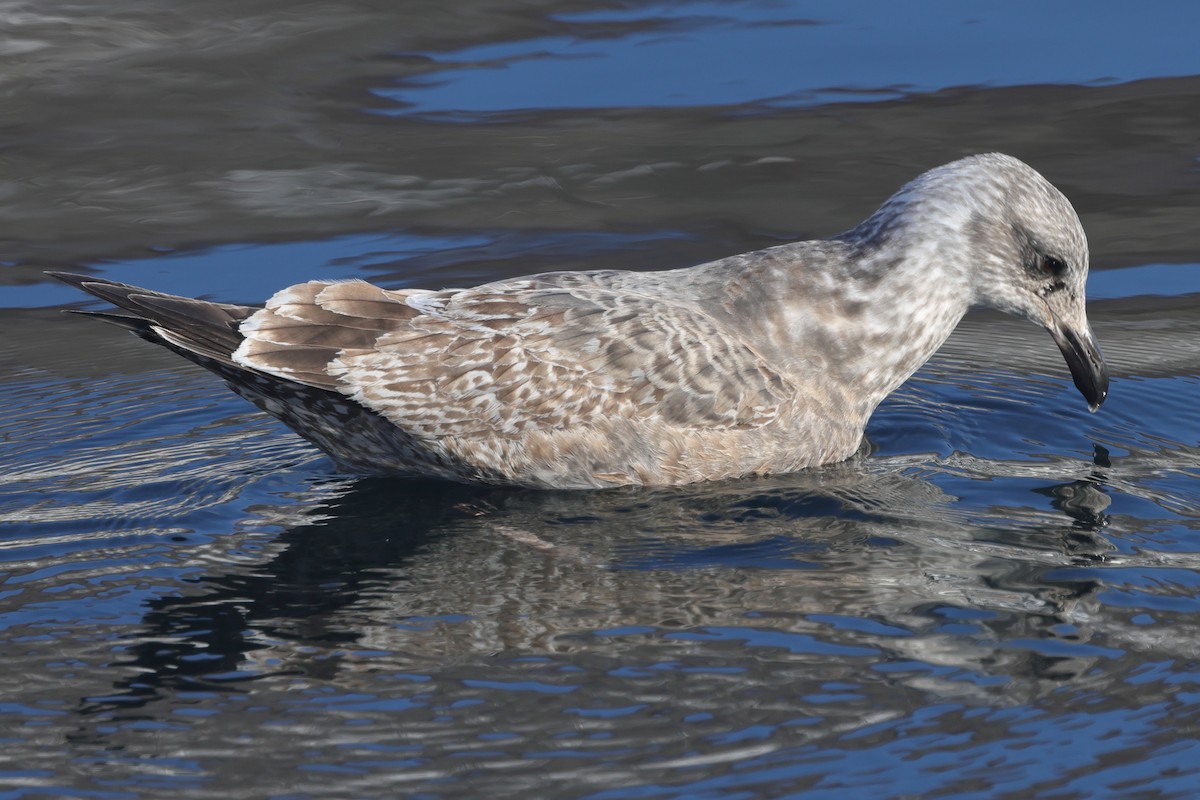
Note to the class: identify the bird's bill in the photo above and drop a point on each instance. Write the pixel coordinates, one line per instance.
(1083, 356)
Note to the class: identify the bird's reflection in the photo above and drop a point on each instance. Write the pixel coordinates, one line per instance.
(380, 564)
(372, 525)
(1084, 500)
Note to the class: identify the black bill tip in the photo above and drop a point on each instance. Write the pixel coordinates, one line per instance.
(1086, 363)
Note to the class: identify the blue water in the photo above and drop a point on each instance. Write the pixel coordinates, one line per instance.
(995, 600)
(802, 53)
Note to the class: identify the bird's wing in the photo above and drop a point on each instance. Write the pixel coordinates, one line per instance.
(504, 358)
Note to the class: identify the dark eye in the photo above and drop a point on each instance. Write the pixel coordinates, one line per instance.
(1053, 265)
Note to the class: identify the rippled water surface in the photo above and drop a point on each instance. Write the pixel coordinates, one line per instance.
(1000, 598)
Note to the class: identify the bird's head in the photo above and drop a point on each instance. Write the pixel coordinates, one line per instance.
(1025, 252)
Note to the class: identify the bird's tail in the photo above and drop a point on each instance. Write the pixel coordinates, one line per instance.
(196, 329)
(207, 334)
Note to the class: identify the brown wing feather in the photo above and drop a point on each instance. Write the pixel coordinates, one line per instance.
(305, 327)
(515, 356)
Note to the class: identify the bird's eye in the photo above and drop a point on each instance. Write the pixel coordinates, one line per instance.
(1053, 265)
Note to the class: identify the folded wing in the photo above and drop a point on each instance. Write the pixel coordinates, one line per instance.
(548, 352)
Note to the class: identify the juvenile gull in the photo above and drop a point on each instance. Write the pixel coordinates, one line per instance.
(766, 362)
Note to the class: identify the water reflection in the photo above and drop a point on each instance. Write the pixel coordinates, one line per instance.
(832, 602)
(426, 573)
(1084, 500)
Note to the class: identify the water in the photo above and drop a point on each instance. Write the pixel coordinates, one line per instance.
(996, 601)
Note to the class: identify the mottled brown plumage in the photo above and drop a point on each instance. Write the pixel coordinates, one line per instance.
(766, 362)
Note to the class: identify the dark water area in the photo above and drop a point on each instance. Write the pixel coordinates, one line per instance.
(995, 600)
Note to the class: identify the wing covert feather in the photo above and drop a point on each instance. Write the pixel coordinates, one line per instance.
(515, 356)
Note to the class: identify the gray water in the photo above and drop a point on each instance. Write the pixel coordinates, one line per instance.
(1001, 598)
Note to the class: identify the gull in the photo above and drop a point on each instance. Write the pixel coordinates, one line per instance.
(766, 362)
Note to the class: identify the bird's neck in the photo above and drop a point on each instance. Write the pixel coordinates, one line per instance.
(867, 310)
(909, 300)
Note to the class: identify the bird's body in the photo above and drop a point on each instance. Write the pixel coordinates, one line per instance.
(760, 363)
